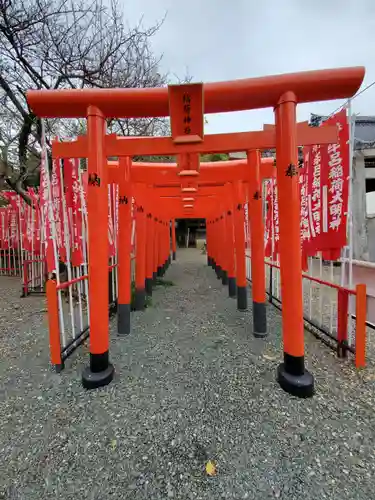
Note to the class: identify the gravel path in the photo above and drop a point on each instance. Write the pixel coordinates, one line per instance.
(191, 384)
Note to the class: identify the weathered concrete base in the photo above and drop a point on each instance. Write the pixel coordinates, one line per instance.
(224, 277)
(218, 272)
(149, 285)
(296, 384)
(140, 299)
(123, 319)
(259, 319)
(232, 287)
(242, 298)
(99, 373)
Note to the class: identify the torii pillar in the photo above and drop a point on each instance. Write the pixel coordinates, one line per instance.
(291, 374)
(100, 372)
(257, 245)
(173, 229)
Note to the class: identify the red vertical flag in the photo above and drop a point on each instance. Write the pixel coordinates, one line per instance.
(336, 186)
(111, 235)
(73, 201)
(46, 217)
(269, 219)
(275, 220)
(56, 190)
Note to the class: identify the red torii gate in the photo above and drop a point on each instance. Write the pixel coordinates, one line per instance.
(282, 92)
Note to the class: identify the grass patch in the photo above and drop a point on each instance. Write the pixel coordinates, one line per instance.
(148, 300)
(163, 282)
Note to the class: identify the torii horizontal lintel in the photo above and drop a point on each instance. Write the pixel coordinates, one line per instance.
(219, 97)
(215, 173)
(213, 143)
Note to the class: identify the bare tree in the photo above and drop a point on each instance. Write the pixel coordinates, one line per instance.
(55, 44)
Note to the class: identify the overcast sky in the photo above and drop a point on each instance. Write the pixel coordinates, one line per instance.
(216, 40)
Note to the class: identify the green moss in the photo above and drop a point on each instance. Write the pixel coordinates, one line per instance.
(148, 300)
(163, 282)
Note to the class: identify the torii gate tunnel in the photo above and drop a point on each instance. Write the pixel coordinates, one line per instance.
(189, 189)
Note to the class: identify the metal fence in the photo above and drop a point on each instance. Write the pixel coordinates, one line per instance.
(328, 307)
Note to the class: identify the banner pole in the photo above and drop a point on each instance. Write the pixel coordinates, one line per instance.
(350, 191)
(351, 121)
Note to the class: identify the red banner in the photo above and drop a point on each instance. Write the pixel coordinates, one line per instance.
(276, 230)
(269, 218)
(73, 201)
(46, 213)
(324, 193)
(304, 198)
(4, 217)
(336, 187)
(12, 219)
(111, 235)
(85, 180)
(57, 206)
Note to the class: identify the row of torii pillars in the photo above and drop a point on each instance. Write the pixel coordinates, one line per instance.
(282, 92)
(217, 192)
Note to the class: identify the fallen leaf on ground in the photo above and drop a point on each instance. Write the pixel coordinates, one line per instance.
(210, 468)
(270, 358)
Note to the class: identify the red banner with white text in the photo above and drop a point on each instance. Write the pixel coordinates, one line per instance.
(324, 190)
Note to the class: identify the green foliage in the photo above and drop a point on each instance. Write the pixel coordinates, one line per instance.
(155, 159)
(148, 301)
(215, 157)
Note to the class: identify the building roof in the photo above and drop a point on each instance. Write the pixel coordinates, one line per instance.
(364, 135)
(365, 129)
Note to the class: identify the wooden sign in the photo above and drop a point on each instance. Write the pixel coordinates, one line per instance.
(186, 108)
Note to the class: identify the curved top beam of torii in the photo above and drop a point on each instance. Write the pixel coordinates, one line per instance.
(166, 174)
(236, 95)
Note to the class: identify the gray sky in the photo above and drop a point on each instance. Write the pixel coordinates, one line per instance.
(216, 40)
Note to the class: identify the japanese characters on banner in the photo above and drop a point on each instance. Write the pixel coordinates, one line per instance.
(85, 181)
(272, 230)
(327, 168)
(9, 233)
(337, 185)
(247, 233)
(275, 213)
(324, 189)
(314, 189)
(269, 218)
(305, 222)
(111, 222)
(4, 228)
(74, 206)
(46, 216)
(32, 219)
(57, 207)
